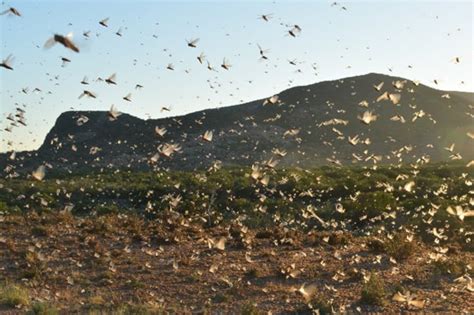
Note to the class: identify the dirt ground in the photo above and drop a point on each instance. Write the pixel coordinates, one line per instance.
(121, 263)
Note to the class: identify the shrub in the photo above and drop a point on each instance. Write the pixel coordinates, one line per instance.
(250, 309)
(322, 305)
(3, 207)
(220, 298)
(13, 296)
(449, 266)
(40, 231)
(376, 246)
(398, 247)
(252, 273)
(370, 204)
(339, 239)
(373, 292)
(43, 309)
(96, 300)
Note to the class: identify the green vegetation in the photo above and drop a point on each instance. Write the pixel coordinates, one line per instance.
(250, 309)
(13, 295)
(373, 291)
(399, 247)
(39, 308)
(321, 304)
(450, 266)
(370, 199)
(252, 273)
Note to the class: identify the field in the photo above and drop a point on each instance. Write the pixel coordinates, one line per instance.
(381, 240)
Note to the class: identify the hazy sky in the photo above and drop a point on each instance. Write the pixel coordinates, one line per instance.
(370, 36)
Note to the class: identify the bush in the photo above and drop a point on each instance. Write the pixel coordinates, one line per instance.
(3, 207)
(373, 292)
(449, 266)
(13, 296)
(250, 309)
(43, 309)
(370, 204)
(376, 246)
(340, 238)
(252, 273)
(398, 247)
(321, 304)
(40, 231)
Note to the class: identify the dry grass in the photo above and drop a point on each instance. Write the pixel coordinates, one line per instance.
(14, 296)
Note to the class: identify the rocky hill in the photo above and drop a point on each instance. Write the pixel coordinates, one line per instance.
(313, 124)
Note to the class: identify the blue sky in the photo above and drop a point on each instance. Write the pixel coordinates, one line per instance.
(370, 36)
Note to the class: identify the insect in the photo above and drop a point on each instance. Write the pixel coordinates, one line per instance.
(7, 63)
(192, 43)
(66, 41)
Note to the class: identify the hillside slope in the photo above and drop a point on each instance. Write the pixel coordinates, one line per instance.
(325, 114)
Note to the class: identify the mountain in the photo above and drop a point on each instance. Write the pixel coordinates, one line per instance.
(325, 114)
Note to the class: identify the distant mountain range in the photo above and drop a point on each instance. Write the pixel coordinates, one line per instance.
(314, 124)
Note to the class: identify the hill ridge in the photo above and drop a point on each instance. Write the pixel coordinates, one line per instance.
(326, 114)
